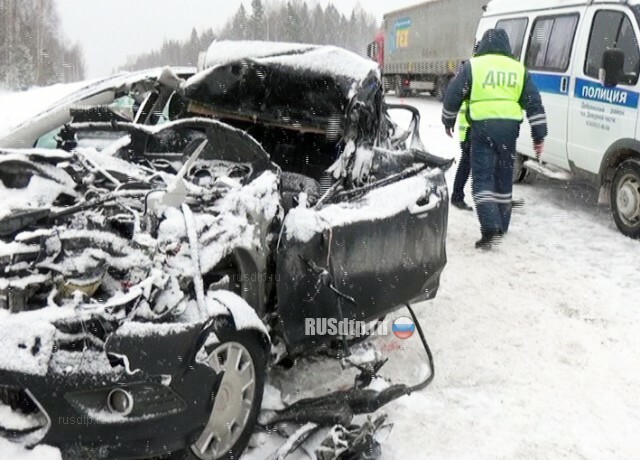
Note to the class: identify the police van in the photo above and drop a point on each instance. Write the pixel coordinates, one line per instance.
(585, 60)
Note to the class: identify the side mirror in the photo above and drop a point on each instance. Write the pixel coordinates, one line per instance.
(612, 69)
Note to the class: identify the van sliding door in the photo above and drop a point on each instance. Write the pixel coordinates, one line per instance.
(549, 61)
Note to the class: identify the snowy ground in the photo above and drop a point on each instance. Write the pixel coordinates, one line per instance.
(535, 343)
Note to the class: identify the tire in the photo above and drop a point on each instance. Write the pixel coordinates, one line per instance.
(386, 84)
(625, 198)
(251, 370)
(442, 83)
(520, 173)
(401, 91)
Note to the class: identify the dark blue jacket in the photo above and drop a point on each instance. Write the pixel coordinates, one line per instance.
(494, 41)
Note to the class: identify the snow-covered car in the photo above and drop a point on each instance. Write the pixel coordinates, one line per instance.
(150, 271)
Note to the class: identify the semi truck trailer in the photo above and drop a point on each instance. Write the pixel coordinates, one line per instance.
(420, 47)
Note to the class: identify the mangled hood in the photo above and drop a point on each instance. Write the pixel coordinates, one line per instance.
(306, 86)
(85, 243)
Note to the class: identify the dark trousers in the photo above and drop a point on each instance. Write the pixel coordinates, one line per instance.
(493, 146)
(462, 174)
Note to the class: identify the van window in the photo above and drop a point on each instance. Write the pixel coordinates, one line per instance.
(612, 29)
(515, 29)
(550, 43)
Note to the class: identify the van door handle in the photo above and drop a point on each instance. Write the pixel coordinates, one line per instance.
(564, 84)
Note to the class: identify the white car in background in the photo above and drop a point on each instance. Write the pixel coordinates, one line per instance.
(122, 95)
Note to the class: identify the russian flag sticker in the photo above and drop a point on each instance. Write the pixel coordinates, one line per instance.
(403, 327)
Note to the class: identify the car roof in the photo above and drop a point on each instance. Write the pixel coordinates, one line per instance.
(303, 87)
(83, 90)
(495, 7)
(316, 59)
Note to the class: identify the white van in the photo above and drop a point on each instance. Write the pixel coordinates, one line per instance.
(585, 60)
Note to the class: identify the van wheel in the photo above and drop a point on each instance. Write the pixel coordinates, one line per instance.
(625, 198)
(520, 173)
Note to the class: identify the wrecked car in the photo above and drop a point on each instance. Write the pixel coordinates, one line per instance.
(149, 272)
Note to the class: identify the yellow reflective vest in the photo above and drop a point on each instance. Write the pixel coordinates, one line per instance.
(463, 124)
(497, 84)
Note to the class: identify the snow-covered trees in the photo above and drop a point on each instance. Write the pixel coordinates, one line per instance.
(32, 50)
(16, 67)
(239, 25)
(257, 22)
(276, 20)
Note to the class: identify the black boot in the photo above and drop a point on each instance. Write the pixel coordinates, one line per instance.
(460, 204)
(488, 241)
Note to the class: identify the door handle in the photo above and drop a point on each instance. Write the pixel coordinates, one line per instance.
(425, 204)
(564, 84)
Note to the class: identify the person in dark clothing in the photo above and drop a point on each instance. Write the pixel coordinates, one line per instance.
(498, 88)
(464, 165)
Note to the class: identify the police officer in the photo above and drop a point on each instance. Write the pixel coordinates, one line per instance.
(464, 166)
(497, 88)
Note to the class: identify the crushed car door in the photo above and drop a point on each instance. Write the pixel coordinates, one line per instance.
(363, 255)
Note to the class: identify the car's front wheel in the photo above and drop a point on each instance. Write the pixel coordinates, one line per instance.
(241, 360)
(625, 198)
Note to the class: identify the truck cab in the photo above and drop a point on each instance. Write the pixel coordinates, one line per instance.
(585, 60)
(375, 49)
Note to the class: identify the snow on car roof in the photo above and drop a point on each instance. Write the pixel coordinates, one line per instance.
(509, 6)
(38, 101)
(318, 59)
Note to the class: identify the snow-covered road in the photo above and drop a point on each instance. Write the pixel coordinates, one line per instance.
(536, 344)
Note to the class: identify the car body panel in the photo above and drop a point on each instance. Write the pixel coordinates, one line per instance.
(380, 250)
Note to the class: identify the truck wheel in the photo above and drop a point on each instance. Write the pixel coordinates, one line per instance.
(625, 198)
(386, 84)
(441, 87)
(401, 91)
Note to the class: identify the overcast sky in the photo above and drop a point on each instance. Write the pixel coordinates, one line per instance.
(111, 30)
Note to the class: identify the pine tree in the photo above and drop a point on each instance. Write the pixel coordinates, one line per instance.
(31, 47)
(239, 25)
(258, 30)
(16, 67)
(320, 26)
(293, 30)
(332, 25)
